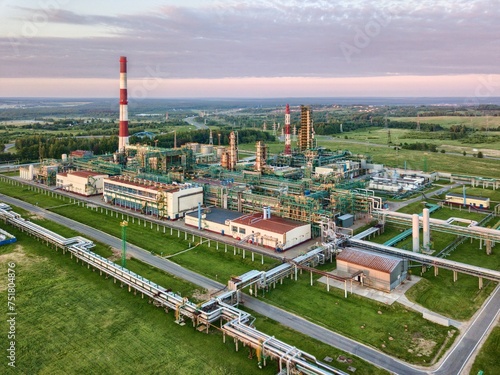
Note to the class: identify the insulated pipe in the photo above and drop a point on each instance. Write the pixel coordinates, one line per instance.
(427, 228)
(415, 232)
(123, 132)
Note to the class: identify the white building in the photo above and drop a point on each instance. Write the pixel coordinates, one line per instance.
(270, 231)
(166, 201)
(85, 183)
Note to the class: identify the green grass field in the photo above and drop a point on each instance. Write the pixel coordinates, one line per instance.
(465, 293)
(447, 121)
(487, 359)
(71, 320)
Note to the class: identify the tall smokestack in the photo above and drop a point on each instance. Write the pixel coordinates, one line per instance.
(288, 138)
(123, 133)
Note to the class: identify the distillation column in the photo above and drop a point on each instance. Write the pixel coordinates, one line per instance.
(288, 136)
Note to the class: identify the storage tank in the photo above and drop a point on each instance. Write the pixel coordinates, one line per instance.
(220, 150)
(207, 149)
(194, 146)
(64, 157)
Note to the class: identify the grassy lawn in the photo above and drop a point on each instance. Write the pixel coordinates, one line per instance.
(62, 328)
(464, 292)
(414, 339)
(487, 359)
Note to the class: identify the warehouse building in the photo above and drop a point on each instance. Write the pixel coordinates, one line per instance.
(152, 198)
(458, 199)
(84, 183)
(381, 272)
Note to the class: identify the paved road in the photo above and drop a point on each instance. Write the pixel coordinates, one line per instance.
(196, 124)
(452, 364)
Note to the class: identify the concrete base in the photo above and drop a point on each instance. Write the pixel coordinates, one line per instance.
(377, 295)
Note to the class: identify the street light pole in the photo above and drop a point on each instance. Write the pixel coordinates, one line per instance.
(124, 225)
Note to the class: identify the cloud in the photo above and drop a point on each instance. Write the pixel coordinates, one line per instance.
(264, 39)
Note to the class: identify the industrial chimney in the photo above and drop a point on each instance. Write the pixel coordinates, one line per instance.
(123, 132)
(288, 138)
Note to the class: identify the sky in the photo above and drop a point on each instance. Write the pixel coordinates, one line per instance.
(250, 48)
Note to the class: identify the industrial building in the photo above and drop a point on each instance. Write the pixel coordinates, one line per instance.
(85, 183)
(166, 201)
(379, 271)
(270, 231)
(467, 200)
(212, 219)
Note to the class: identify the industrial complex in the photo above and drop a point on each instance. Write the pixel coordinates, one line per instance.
(304, 197)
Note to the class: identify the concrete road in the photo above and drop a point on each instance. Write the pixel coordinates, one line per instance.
(453, 363)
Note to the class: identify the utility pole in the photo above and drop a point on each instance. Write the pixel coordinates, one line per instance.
(124, 225)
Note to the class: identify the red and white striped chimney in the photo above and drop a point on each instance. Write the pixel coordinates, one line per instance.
(288, 138)
(123, 133)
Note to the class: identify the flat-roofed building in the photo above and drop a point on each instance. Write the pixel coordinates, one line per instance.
(213, 219)
(458, 199)
(382, 272)
(166, 201)
(270, 231)
(84, 183)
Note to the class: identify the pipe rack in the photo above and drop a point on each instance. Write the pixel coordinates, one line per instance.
(238, 322)
(429, 260)
(476, 232)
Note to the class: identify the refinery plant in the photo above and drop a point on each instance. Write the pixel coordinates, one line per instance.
(304, 197)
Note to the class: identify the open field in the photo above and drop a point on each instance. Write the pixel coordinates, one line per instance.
(417, 160)
(447, 121)
(74, 306)
(487, 359)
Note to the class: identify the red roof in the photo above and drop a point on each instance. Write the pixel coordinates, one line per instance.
(275, 224)
(369, 260)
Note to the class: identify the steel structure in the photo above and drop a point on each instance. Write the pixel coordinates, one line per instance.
(486, 234)
(428, 260)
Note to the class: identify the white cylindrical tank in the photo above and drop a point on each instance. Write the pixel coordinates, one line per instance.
(220, 150)
(194, 146)
(207, 149)
(64, 157)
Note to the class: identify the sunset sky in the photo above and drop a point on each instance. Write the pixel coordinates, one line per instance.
(253, 48)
